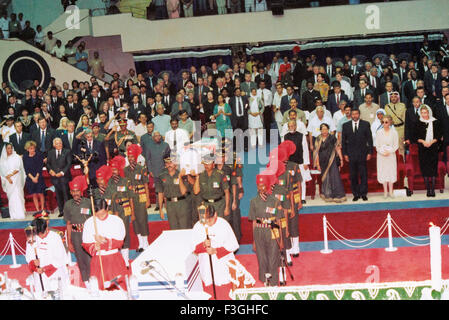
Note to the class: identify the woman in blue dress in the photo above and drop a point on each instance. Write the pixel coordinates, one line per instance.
(33, 162)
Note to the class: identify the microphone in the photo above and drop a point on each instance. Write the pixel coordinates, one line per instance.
(147, 263)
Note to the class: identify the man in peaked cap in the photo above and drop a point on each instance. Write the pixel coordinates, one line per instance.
(76, 211)
(213, 188)
(137, 177)
(173, 187)
(265, 216)
(120, 202)
(123, 135)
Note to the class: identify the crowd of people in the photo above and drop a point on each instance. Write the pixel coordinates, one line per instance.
(127, 135)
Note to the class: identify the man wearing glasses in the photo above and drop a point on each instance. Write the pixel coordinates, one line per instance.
(397, 110)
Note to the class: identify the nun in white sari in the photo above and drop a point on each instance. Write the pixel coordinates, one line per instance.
(12, 176)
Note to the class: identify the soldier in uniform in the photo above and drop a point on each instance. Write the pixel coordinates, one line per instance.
(233, 172)
(120, 137)
(137, 177)
(76, 212)
(282, 191)
(121, 200)
(265, 216)
(213, 188)
(172, 188)
(103, 174)
(294, 180)
(397, 110)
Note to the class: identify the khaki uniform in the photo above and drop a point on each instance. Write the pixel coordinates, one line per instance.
(118, 198)
(267, 250)
(137, 179)
(122, 148)
(179, 207)
(397, 112)
(212, 191)
(76, 215)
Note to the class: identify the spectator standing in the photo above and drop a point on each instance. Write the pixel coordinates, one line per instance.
(96, 66)
(81, 59)
(49, 42)
(33, 162)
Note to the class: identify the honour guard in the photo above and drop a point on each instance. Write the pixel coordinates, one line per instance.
(46, 256)
(103, 174)
(282, 191)
(76, 212)
(265, 217)
(295, 181)
(121, 200)
(172, 188)
(137, 176)
(214, 242)
(213, 188)
(103, 237)
(122, 136)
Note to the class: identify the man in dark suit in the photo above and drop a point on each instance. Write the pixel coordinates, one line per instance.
(13, 103)
(402, 71)
(424, 98)
(69, 140)
(89, 146)
(411, 118)
(359, 94)
(215, 72)
(285, 100)
(167, 99)
(309, 97)
(183, 81)
(333, 100)
(44, 136)
(151, 80)
(409, 88)
(73, 109)
(200, 91)
(263, 76)
(354, 71)
(118, 102)
(374, 83)
(83, 92)
(239, 116)
(59, 161)
(329, 68)
(19, 138)
(143, 95)
(432, 81)
(135, 108)
(94, 100)
(442, 114)
(357, 146)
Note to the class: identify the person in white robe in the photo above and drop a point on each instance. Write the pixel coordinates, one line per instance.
(51, 262)
(220, 247)
(8, 128)
(255, 116)
(12, 175)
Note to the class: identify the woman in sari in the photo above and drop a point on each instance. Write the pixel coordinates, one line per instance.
(12, 175)
(326, 156)
(222, 115)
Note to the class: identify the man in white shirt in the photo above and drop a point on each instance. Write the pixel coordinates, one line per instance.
(176, 137)
(340, 113)
(58, 50)
(300, 126)
(276, 104)
(319, 103)
(8, 129)
(4, 25)
(314, 125)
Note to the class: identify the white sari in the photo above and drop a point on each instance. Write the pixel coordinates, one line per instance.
(14, 191)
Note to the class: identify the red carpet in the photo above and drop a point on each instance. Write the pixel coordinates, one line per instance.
(343, 266)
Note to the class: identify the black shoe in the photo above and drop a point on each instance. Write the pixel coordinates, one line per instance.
(289, 264)
(428, 194)
(303, 201)
(60, 215)
(364, 198)
(296, 255)
(281, 283)
(355, 198)
(139, 250)
(432, 193)
(156, 209)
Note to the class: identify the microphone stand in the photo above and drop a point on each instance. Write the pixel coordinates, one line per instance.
(168, 282)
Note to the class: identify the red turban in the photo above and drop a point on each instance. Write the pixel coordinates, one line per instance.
(266, 178)
(104, 172)
(119, 163)
(78, 183)
(289, 146)
(278, 154)
(135, 150)
(276, 167)
(296, 49)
